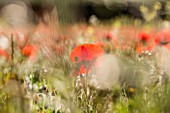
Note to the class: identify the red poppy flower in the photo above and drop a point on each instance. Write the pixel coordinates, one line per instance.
(163, 37)
(157, 41)
(84, 56)
(3, 53)
(109, 36)
(86, 52)
(29, 50)
(144, 37)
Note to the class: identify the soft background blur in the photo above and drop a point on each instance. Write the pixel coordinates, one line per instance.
(38, 76)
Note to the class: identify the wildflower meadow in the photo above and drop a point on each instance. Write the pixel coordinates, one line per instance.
(119, 65)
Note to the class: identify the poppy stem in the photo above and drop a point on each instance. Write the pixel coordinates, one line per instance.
(84, 83)
(12, 53)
